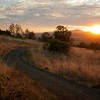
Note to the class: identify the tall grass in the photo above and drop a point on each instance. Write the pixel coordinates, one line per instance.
(81, 65)
(14, 85)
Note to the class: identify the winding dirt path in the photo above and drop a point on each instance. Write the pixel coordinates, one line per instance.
(64, 89)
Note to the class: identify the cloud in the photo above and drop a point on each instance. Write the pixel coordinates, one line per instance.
(50, 12)
(2, 17)
(36, 14)
(80, 2)
(57, 15)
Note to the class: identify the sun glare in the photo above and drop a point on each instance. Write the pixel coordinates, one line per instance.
(94, 29)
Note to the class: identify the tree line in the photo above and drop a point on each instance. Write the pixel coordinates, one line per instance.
(60, 41)
(16, 30)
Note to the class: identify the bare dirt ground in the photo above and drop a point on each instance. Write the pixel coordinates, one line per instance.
(64, 89)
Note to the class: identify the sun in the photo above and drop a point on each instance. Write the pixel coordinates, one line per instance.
(95, 29)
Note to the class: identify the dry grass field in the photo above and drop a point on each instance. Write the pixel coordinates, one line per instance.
(7, 44)
(15, 85)
(49, 49)
(82, 65)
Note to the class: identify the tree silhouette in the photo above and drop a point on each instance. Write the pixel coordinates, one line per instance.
(15, 29)
(18, 29)
(62, 34)
(27, 31)
(2, 32)
(12, 28)
(31, 35)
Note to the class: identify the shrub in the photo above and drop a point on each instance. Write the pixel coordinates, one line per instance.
(46, 37)
(18, 35)
(83, 45)
(95, 46)
(57, 46)
(31, 35)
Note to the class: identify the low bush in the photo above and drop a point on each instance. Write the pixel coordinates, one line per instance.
(45, 37)
(7, 33)
(57, 46)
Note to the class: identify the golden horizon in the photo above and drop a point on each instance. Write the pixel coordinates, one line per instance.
(95, 29)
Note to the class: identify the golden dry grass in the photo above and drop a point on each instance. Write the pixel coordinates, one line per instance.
(14, 85)
(81, 65)
(7, 44)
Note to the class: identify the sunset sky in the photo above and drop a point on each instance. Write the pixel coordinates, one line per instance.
(45, 15)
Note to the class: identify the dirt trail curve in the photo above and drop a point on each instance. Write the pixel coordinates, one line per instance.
(64, 89)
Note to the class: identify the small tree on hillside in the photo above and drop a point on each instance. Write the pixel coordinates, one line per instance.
(61, 41)
(62, 34)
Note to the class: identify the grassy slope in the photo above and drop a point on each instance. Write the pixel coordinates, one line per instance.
(82, 65)
(14, 85)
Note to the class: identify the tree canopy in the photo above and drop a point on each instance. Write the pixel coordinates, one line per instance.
(62, 34)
